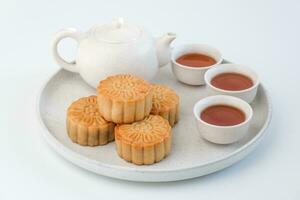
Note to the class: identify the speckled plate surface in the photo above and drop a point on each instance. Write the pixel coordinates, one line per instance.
(191, 155)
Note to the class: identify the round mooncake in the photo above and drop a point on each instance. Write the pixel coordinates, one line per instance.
(144, 142)
(124, 98)
(165, 103)
(85, 125)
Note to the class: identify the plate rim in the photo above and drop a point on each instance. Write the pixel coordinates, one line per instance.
(63, 150)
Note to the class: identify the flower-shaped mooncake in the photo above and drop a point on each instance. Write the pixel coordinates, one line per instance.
(124, 98)
(144, 142)
(165, 103)
(85, 125)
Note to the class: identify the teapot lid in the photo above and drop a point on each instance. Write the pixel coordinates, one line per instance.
(116, 32)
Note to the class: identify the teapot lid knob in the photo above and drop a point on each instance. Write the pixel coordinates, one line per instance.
(118, 22)
(118, 31)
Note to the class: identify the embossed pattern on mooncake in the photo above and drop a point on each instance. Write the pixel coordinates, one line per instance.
(86, 126)
(144, 142)
(165, 102)
(124, 87)
(124, 98)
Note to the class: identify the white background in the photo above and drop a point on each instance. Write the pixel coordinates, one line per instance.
(262, 34)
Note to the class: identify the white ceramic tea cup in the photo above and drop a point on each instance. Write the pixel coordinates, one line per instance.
(222, 134)
(193, 75)
(247, 95)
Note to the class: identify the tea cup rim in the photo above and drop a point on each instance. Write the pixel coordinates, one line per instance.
(173, 59)
(207, 82)
(210, 98)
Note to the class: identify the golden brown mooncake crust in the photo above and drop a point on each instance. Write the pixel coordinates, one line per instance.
(165, 102)
(124, 98)
(85, 125)
(144, 142)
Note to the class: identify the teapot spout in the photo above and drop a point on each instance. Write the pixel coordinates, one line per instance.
(163, 50)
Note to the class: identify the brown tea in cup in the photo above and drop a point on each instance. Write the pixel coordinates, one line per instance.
(222, 115)
(196, 60)
(232, 81)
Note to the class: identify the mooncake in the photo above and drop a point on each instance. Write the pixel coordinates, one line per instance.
(85, 125)
(165, 103)
(144, 142)
(124, 98)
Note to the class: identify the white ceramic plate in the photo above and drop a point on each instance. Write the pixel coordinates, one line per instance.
(191, 155)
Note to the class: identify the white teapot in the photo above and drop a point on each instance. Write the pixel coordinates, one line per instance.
(115, 48)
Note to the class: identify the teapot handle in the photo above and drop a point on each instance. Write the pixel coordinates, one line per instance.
(67, 32)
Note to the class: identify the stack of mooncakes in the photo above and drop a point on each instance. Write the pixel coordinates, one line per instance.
(136, 114)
